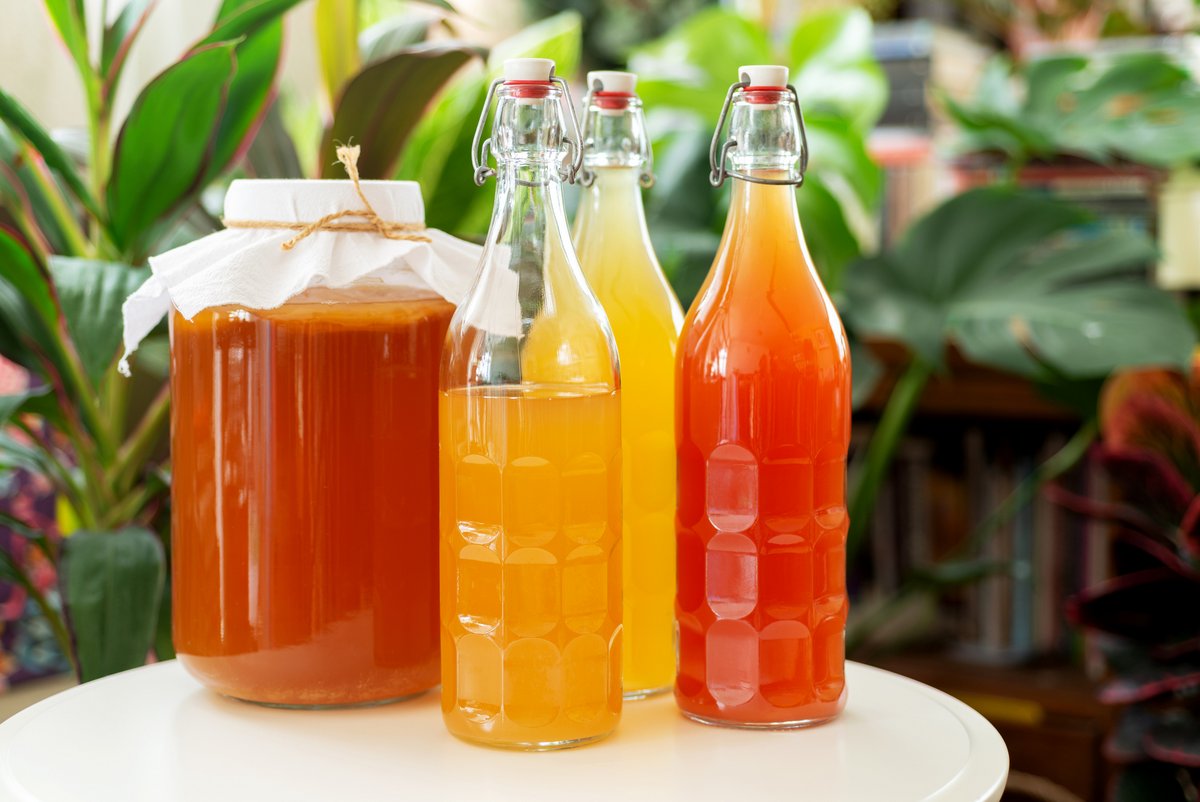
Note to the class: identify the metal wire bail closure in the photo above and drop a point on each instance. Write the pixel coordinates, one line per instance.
(481, 148)
(586, 176)
(718, 151)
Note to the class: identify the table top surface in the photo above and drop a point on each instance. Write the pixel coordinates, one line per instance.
(155, 735)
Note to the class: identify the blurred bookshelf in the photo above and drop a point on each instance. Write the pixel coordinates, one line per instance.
(1001, 644)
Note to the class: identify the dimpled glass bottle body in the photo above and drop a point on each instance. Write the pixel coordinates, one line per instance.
(618, 260)
(762, 431)
(530, 464)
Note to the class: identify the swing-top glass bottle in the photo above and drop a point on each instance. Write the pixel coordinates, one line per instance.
(762, 430)
(619, 262)
(530, 454)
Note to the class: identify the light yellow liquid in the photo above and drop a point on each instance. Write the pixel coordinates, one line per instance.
(618, 260)
(531, 564)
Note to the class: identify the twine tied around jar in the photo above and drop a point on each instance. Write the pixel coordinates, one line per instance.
(371, 221)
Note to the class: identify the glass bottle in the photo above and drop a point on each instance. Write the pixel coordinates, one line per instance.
(762, 430)
(617, 257)
(530, 454)
(304, 526)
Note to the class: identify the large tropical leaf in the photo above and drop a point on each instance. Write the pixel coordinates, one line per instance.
(1143, 107)
(91, 293)
(250, 91)
(381, 105)
(337, 45)
(163, 148)
(694, 64)
(391, 36)
(239, 18)
(118, 41)
(14, 403)
(258, 26)
(22, 122)
(272, 153)
(111, 582)
(833, 68)
(28, 312)
(1014, 281)
(70, 20)
(439, 150)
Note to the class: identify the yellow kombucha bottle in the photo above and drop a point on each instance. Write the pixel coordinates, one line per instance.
(617, 258)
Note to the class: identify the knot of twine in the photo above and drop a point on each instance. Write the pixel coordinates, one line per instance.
(371, 221)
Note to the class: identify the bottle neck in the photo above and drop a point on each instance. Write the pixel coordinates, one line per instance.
(614, 131)
(766, 136)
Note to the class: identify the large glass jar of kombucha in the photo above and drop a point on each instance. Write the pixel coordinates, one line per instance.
(305, 496)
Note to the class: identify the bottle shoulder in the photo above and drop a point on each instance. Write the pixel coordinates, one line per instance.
(780, 325)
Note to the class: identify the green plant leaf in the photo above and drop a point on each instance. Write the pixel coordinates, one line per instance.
(15, 454)
(17, 402)
(381, 105)
(1015, 281)
(1141, 107)
(831, 243)
(337, 45)
(391, 36)
(272, 153)
(243, 18)
(22, 122)
(91, 293)
(834, 69)
(694, 64)
(438, 154)
(17, 321)
(111, 583)
(119, 38)
(250, 92)
(866, 373)
(69, 18)
(163, 148)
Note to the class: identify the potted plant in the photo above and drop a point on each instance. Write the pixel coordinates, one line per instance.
(1142, 618)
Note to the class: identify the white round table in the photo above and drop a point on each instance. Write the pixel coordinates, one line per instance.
(154, 735)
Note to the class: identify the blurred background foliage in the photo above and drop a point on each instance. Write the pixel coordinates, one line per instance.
(1010, 277)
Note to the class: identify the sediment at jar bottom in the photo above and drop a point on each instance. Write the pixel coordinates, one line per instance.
(531, 565)
(304, 512)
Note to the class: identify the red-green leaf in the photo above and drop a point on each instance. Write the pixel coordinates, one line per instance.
(238, 18)
(163, 150)
(337, 44)
(22, 122)
(69, 18)
(119, 38)
(250, 92)
(381, 105)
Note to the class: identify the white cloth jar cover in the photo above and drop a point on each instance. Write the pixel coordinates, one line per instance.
(249, 268)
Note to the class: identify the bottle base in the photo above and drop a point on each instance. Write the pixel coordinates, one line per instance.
(630, 696)
(333, 706)
(532, 746)
(796, 724)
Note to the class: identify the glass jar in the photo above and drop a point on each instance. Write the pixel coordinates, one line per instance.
(305, 496)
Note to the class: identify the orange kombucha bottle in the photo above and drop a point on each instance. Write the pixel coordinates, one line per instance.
(762, 430)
